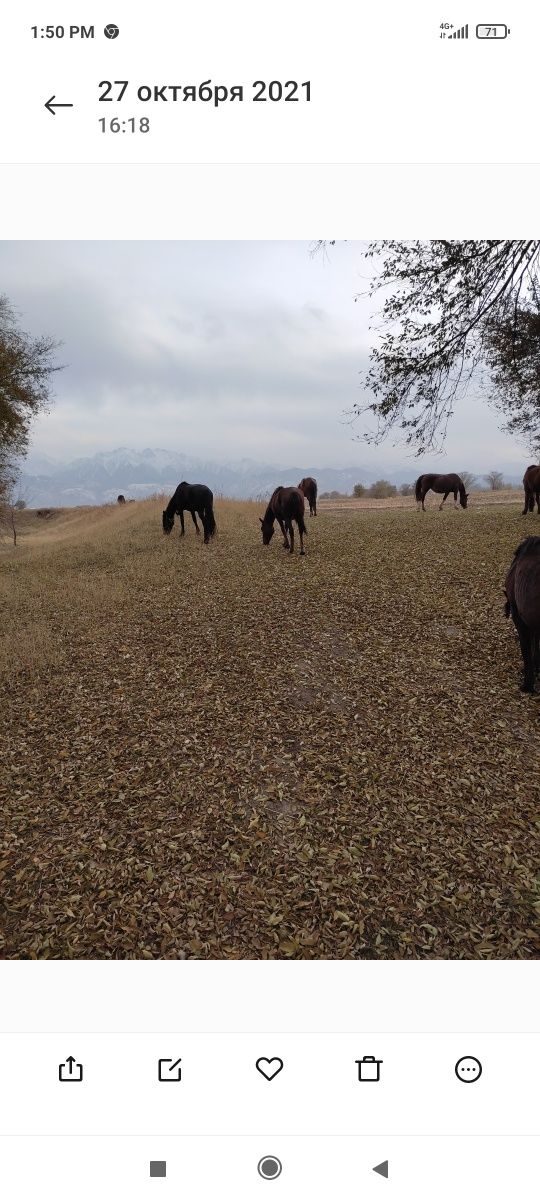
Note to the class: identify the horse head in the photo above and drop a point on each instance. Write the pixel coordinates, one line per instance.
(168, 521)
(267, 530)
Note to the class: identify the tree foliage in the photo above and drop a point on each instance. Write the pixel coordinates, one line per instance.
(450, 309)
(382, 489)
(26, 366)
(513, 358)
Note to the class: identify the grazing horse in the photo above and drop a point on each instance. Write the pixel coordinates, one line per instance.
(309, 487)
(120, 499)
(531, 485)
(197, 499)
(440, 483)
(286, 505)
(522, 589)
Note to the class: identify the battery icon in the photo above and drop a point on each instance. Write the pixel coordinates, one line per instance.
(493, 32)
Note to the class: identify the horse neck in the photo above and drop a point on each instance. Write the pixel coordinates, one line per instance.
(269, 514)
(462, 491)
(171, 507)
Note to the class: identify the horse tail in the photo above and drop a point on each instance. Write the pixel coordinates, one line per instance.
(209, 521)
(301, 524)
(418, 488)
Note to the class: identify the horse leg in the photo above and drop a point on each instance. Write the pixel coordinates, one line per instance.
(525, 504)
(284, 532)
(302, 551)
(194, 519)
(445, 497)
(290, 530)
(537, 503)
(526, 642)
(182, 529)
(455, 500)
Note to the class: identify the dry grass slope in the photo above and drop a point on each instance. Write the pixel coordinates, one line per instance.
(223, 752)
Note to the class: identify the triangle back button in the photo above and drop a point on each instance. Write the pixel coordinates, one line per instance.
(382, 1169)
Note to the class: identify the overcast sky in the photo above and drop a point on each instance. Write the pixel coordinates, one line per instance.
(217, 349)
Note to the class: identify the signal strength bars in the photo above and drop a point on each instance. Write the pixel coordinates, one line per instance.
(460, 33)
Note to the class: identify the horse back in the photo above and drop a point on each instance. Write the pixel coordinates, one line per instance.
(193, 495)
(308, 486)
(288, 503)
(531, 478)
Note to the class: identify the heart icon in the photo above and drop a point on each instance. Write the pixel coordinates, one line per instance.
(269, 1067)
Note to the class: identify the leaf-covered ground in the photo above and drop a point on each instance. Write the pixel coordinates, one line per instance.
(224, 752)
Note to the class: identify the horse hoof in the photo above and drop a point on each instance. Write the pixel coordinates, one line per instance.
(527, 688)
(302, 552)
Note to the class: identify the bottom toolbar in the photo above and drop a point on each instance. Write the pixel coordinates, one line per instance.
(175, 1082)
(242, 1167)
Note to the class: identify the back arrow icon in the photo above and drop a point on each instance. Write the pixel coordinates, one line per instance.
(51, 106)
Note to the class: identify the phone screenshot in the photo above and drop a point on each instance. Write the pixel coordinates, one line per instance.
(270, 600)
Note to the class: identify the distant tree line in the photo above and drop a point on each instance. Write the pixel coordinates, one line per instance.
(382, 489)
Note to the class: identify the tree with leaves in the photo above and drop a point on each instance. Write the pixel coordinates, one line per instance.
(450, 310)
(26, 367)
(382, 489)
(359, 490)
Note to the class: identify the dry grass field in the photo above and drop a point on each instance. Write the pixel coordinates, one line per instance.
(220, 751)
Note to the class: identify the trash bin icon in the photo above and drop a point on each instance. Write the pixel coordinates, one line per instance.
(369, 1069)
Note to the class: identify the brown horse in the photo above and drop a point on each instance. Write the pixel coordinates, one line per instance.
(440, 483)
(309, 487)
(531, 485)
(286, 505)
(522, 589)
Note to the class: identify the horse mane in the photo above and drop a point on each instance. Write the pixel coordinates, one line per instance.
(530, 546)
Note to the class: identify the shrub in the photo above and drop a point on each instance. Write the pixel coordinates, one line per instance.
(382, 489)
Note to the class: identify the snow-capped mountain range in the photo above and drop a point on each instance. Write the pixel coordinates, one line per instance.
(139, 473)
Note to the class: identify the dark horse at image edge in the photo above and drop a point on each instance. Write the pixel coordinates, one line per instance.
(197, 499)
(531, 487)
(522, 589)
(440, 483)
(308, 486)
(286, 505)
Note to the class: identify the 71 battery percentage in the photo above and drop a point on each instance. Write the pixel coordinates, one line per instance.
(493, 32)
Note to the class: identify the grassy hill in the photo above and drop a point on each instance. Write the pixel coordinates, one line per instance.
(221, 751)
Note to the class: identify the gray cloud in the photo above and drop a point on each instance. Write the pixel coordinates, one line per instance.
(221, 349)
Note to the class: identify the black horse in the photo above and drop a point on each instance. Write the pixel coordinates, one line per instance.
(198, 500)
(522, 589)
(285, 506)
(440, 483)
(308, 486)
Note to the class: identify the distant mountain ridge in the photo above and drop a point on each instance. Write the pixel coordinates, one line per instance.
(138, 473)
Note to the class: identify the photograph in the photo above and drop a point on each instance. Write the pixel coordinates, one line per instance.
(270, 589)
